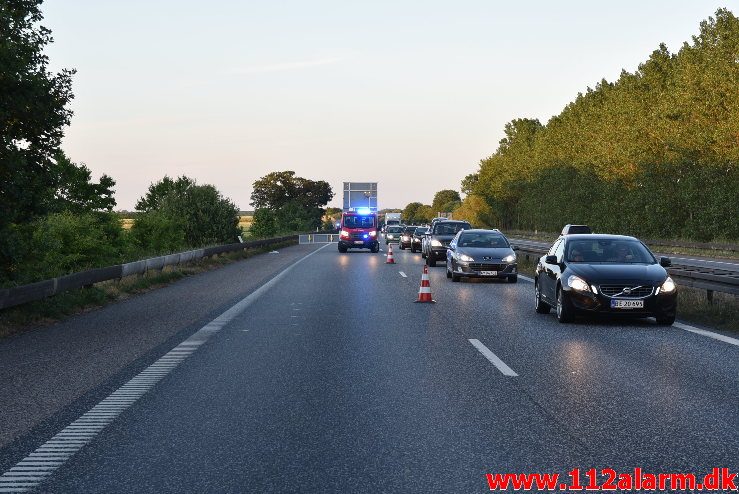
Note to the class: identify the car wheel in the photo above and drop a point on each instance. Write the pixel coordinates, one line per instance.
(448, 273)
(666, 320)
(540, 306)
(455, 277)
(375, 248)
(342, 249)
(564, 309)
(431, 260)
(423, 254)
(513, 279)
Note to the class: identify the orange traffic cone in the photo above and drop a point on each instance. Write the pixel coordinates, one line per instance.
(424, 291)
(390, 259)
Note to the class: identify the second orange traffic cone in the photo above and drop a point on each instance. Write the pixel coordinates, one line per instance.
(390, 259)
(424, 291)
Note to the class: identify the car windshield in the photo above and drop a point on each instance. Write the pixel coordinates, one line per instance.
(450, 228)
(410, 229)
(421, 231)
(394, 229)
(482, 240)
(617, 251)
(359, 221)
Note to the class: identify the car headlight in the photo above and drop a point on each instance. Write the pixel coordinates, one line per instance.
(668, 286)
(344, 233)
(510, 258)
(435, 243)
(389, 235)
(373, 233)
(465, 258)
(577, 283)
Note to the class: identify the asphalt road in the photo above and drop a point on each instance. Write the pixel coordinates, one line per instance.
(331, 379)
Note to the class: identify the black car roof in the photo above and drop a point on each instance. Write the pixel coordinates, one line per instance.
(597, 236)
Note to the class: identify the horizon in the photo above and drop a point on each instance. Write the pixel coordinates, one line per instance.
(353, 93)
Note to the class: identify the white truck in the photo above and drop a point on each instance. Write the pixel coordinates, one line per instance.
(392, 219)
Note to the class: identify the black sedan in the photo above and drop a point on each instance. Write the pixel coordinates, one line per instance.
(417, 238)
(610, 274)
(481, 253)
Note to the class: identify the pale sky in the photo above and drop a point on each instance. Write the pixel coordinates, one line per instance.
(408, 94)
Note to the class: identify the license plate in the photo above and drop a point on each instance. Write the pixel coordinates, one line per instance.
(489, 273)
(358, 242)
(627, 304)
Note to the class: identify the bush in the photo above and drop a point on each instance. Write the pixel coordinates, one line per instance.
(263, 225)
(156, 233)
(64, 243)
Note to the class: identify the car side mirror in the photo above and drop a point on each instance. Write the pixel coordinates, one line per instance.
(514, 247)
(550, 259)
(665, 262)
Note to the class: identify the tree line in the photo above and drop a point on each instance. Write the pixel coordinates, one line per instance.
(654, 154)
(54, 219)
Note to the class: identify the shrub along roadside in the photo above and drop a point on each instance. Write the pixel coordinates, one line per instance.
(59, 307)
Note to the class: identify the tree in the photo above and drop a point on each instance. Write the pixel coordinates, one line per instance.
(410, 212)
(161, 189)
(297, 202)
(33, 113)
(204, 215)
(469, 183)
(276, 189)
(445, 200)
(74, 190)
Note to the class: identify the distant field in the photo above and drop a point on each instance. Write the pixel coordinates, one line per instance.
(244, 222)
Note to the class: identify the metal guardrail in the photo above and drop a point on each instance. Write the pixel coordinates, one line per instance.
(684, 273)
(318, 238)
(18, 295)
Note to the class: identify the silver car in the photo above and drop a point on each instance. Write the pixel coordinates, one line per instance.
(481, 253)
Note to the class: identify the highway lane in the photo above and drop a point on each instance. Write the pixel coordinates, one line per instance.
(334, 380)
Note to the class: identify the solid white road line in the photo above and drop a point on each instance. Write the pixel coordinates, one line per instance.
(403, 274)
(106, 411)
(526, 278)
(502, 367)
(710, 334)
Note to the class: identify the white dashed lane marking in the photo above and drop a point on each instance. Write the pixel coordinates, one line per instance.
(494, 359)
(403, 274)
(31, 471)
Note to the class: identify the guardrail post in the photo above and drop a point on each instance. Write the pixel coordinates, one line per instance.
(709, 296)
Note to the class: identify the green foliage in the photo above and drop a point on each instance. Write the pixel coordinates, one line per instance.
(63, 243)
(264, 223)
(204, 216)
(445, 201)
(156, 232)
(33, 114)
(154, 197)
(410, 212)
(297, 202)
(653, 154)
(74, 190)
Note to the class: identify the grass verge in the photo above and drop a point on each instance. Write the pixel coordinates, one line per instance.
(692, 304)
(54, 309)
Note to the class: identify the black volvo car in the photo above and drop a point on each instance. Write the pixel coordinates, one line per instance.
(589, 273)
